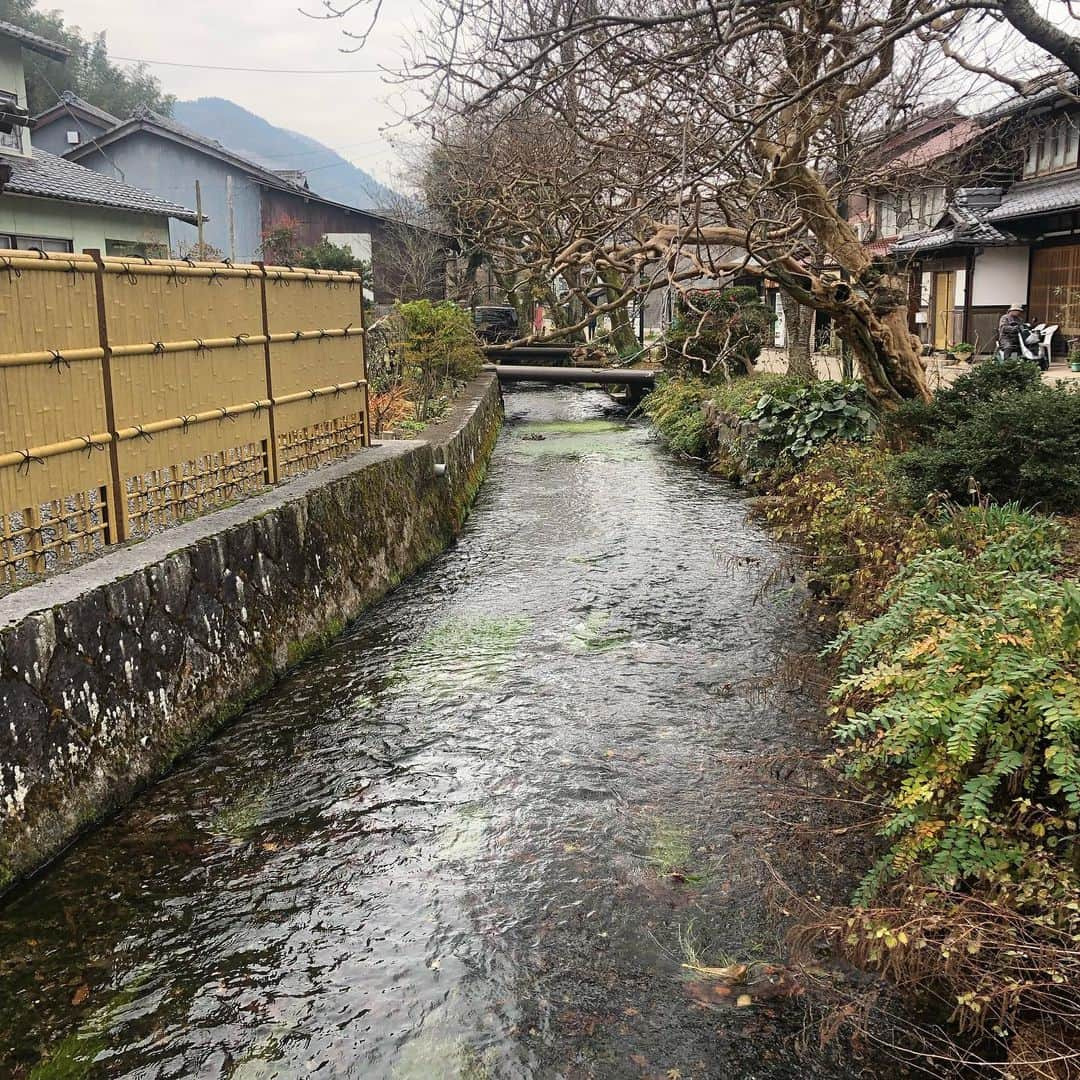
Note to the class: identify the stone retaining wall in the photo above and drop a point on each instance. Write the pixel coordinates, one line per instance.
(109, 671)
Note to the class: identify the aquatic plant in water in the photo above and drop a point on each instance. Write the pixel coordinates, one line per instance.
(460, 655)
(592, 634)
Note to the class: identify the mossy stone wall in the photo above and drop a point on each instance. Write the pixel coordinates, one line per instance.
(111, 670)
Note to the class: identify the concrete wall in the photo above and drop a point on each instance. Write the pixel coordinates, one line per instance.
(84, 226)
(170, 170)
(53, 135)
(1001, 277)
(109, 671)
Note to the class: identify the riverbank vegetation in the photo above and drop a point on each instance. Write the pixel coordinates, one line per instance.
(418, 358)
(943, 538)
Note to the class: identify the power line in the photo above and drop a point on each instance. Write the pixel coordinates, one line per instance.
(252, 70)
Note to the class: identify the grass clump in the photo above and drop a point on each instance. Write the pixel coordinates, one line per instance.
(677, 409)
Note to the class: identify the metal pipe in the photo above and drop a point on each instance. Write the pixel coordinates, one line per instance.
(616, 376)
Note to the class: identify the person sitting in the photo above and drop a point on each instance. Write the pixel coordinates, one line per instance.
(1009, 327)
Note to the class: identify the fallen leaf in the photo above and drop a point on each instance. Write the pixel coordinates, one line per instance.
(744, 1000)
(80, 995)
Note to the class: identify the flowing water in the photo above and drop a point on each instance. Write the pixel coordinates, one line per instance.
(487, 834)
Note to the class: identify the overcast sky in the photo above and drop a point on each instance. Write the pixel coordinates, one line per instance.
(346, 111)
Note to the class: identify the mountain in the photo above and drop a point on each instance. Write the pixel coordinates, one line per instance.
(328, 173)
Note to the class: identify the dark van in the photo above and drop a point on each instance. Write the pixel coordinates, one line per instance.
(495, 323)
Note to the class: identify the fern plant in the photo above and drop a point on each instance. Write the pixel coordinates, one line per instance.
(960, 706)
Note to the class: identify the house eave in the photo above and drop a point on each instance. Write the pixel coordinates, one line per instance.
(190, 219)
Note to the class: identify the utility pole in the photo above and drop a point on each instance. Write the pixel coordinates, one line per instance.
(199, 215)
(231, 216)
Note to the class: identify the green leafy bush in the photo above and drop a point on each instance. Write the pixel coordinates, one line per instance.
(436, 348)
(919, 421)
(803, 419)
(846, 508)
(717, 332)
(959, 707)
(1012, 446)
(676, 408)
(739, 396)
(329, 256)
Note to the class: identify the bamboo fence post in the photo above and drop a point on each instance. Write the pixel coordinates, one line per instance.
(118, 503)
(272, 457)
(366, 437)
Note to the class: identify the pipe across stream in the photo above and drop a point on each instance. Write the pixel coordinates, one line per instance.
(496, 830)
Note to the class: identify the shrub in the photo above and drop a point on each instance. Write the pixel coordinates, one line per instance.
(855, 519)
(676, 408)
(1013, 445)
(917, 421)
(959, 706)
(739, 396)
(806, 417)
(436, 348)
(717, 332)
(328, 256)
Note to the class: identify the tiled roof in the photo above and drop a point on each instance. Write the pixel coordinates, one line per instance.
(936, 238)
(68, 100)
(145, 118)
(957, 135)
(47, 176)
(35, 42)
(961, 226)
(1042, 91)
(1039, 198)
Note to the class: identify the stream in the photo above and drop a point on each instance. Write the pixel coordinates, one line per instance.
(506, 826)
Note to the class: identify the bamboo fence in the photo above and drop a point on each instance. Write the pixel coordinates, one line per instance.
(135, 394)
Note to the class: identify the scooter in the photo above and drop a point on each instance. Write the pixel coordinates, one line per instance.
(1035, 344)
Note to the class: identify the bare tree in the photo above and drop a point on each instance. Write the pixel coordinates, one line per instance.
(648, 135)
(418, 256)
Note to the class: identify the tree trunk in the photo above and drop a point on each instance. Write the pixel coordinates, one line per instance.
(798, 326)
(622, 333)
(871, 312)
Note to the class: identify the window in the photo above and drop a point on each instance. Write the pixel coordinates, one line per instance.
(73, 138)
(12, 140)
(139, 248)
(1053, 147)
(42, 243)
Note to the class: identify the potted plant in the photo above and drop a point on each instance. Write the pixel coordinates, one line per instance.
(1074, 360)
(963, 351)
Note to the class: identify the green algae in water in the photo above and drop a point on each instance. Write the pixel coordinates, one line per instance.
(593, 634)
(578, 446)
(570, 427)
(73, 1057)
(461, 655)
(239, 819)
(260, 1062)
(671, 852)
(423, 1058)
(464, 838)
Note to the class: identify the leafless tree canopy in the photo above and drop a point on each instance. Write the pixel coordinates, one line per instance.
(609, 148)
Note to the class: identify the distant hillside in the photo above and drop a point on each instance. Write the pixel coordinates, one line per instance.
(329, 173)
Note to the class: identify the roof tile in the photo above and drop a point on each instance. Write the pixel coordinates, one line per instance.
(47, 176)
(35, 42)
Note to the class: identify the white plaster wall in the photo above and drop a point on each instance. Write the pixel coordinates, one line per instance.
(84, 226)
(1001, 277)
(358, 243)
(13, 80)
